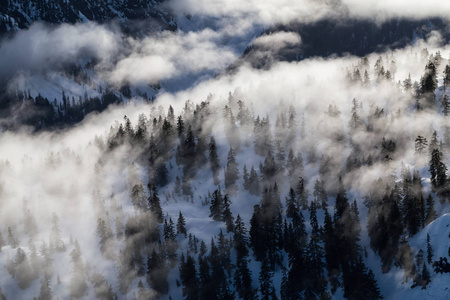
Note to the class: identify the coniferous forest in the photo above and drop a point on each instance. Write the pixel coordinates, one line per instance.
(256, 172)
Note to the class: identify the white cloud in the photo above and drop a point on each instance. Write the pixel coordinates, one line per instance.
(42, 47)
(171, 54)
(385, 9)
(278, 40)
(269, 12)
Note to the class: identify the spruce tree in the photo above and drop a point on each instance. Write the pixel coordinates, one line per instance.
(330, 243)
(446, 76)
(265, 279)
(421, 144)
(269, 168)
(45, 292)
(216, 206)
(189, 279)
(240, 238)
(246, 177)
(181, 225)
(243, 280)
(437, 169)
(214, 160)
(315, 257)
(253, 183)
(431, 212)
(231, 172)
(23, 272)
(157, 272)
(154, 203)
(180, 127)
(446, 106)
(291, 205)
(169, 230)
(425, 276)
(205, 281)
(104, 232)
(226, 215)
(302, 194)
(429, 249)
(320, 195)
(12, 240)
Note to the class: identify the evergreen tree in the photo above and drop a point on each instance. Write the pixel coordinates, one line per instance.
(243, 280)
(220, 260)
(265, 279)
(169, 230)
(425, 276)
(231, 172)
(421, 144)
(302, 194)
(446, 76)
(157, 272)
(214, 160)
(429, 249)
(246, 177)
(388, 230)
(138, 197)
(355, 119)
(78, 285)
(45, 292)
(291, 205)
(253, 183)
(412, 204)
(188, 276)
(12, 240)
(446, 106)
(180, 127)
(102, 290)
(104, 232)
(269, 168)
(188, 153)
(226, 215)
(154, 203)
(216, 206)
(428, 84)
(316, 283)
(280, 157)
(407, 83)
(161, 173)
(437, 169)
(431, 212)
(23, 272)
(320, 195)
(240, 239)
(206, 286)
(266, 226)
(330, 243)
(181, 225)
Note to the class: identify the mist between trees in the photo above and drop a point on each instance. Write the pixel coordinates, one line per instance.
(302, 169)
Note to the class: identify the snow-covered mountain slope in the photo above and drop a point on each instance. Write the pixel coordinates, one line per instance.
(16, 15)
(439, 231)
(80, 204)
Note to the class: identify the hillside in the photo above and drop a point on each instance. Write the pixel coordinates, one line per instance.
(19, 14)
(224, 150)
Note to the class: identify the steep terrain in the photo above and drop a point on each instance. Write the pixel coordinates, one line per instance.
(20, 14)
